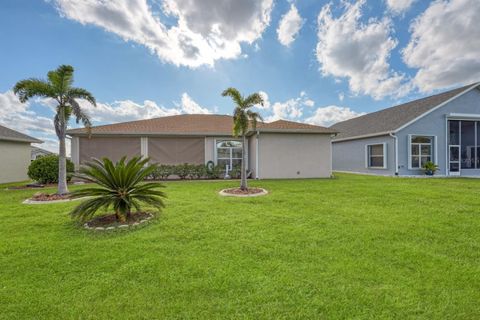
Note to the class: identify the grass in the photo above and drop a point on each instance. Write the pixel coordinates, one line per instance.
(351, 247)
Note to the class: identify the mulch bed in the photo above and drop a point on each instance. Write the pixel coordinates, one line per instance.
(111, 221)
(49, 197)
(239, 191)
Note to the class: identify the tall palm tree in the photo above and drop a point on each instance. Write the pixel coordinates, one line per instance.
(58, 87)
(243, 117)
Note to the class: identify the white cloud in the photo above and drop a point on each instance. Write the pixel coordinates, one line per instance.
(21, 116)
(399, 6)
(327, 116)
(189, 106)
(127, 110)
(445, 45)
(291, 109)
(18, 116)
(289, 26)
(341, 96)
(348, 48)
(266, 101)
(205, 31)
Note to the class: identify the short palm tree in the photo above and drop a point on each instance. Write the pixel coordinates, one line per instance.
(243, 118)
(118, 186)
(59, 88)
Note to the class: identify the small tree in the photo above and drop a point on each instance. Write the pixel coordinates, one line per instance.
(243, 117)
(59, 88)
(118, 186)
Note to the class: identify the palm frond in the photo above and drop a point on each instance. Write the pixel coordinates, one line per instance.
(80, 93)
(253, 99)
(235, 95)
(26, 89)
(61, 79)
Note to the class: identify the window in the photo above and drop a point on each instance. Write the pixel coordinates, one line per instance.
(229, 152)
(421, 148)
(376, 156)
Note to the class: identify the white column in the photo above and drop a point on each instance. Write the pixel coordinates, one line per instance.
(144, 147)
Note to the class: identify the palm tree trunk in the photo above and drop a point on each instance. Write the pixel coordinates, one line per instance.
(243, 183)
(62, 158)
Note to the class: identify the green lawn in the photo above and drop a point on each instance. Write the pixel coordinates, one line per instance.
(350, 247)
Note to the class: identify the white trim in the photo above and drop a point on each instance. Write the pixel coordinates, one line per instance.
(75, 151)
(395, 147)
(257, 176)
(144, 147)
(447, 151)
(437, 107)
(386, 133)
(463, 116)
(433, 153)
(367, 156)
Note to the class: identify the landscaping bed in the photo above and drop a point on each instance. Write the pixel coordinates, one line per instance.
(249, 192)
(110, 221)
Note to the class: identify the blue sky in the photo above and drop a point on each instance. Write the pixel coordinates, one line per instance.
(314, 61)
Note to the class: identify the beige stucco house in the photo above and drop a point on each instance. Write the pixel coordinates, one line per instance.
(279, 149)
(15, 154)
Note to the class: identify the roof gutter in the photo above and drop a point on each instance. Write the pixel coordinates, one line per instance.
(395, 143)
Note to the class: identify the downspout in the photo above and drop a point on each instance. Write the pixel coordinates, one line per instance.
(395, 143)
(257, 176)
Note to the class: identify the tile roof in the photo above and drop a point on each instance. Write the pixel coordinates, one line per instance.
(12, 135)
(390, 119)
(194, 124)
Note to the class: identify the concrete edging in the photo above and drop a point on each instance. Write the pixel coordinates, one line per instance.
(30, 201)
(226, 194)
(120, 227)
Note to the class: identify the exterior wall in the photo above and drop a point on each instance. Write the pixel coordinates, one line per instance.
(112, 147)
(351, 155)
(14, 161)
(176, 150)
(434, 124)
(282, 155)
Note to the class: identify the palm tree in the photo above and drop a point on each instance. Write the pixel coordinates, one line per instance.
(118, 186)
(243, 117)
(59, 88)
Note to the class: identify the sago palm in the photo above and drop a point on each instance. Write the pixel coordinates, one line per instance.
(58, 87)
(118, 186)
(243, 118)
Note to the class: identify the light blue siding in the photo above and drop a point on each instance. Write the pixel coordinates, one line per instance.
(434, 124)
(350, 155)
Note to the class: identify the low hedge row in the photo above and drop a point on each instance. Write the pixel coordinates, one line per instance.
(190, 171)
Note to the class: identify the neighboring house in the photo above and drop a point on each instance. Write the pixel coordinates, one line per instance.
(280, 149)
(39, 152)
(444, 128)
(15, 153)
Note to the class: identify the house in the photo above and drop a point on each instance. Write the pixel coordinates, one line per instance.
(14, 155)
(443, 128)
(39, 152)
(280, 149)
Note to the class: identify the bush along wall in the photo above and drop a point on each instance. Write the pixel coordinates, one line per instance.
(187, 171)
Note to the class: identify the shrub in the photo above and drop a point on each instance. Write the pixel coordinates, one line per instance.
(162, 172)
(236, 172)
(182, 170)
(118, 186)
(45, 169)
(214, 172)
(198, 171)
